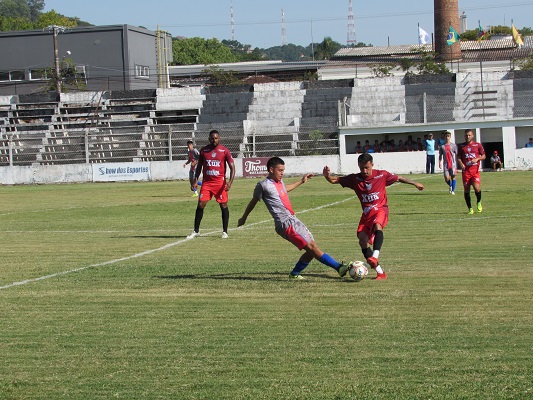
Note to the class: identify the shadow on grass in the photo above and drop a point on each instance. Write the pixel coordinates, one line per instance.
(260, 276)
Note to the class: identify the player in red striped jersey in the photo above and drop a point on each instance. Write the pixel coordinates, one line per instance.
(448, 161)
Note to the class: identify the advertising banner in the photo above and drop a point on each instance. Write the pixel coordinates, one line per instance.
(256, 166)
(111, 172)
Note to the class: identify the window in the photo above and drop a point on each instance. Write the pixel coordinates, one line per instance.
(16, 75)
(80, 73)
(142, 71)
(38, 74)
(12, 76)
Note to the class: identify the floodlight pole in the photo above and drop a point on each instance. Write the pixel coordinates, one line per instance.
(55, 30)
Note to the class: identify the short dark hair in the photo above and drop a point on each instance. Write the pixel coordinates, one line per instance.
(274, 162)
(214, 131)
(364, 158)
(189, 142)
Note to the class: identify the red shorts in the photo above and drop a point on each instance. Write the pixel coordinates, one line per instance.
(469, 178)
(295, 232)
(367, 222)
(217, 189)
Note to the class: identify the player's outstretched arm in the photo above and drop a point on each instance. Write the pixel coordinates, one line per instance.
(419, 186)
(327, 174)
(249, 208)
(294, 185)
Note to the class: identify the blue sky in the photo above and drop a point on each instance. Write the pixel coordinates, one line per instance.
(258, 23)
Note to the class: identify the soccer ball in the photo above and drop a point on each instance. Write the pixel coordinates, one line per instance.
(358, 270)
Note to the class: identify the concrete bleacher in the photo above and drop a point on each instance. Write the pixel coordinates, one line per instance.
(273, 119)
(261, 119)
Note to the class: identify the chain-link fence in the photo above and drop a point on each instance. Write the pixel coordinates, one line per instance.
(154, 143)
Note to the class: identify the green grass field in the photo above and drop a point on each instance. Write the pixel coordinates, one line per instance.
(102, 297)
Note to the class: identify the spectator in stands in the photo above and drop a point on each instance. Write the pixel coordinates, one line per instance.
(358, 147)
(496, 161)
(367, 148)
(530, 143)
(392, 146)
(441, 141)
(213, 159)
(192, 158)
(430, 154)
(386, 142)
(401, 146)
(410, 144)
(419, 146)
(376, 147)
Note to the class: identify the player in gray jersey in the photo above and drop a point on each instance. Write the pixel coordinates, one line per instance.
(274, 193)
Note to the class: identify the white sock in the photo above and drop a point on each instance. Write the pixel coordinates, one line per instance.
(379, 270)
(375, 254)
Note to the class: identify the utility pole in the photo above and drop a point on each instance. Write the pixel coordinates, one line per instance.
(59, 79)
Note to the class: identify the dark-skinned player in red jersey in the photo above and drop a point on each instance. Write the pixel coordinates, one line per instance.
(212, 161)
(370, 186)
(471, 153)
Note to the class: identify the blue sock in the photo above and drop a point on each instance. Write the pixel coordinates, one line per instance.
(299, 267)
(326, 259)
(454, 184)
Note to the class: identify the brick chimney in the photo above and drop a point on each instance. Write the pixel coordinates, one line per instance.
(446, 14)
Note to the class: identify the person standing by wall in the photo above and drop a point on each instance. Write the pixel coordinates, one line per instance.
(430, 154)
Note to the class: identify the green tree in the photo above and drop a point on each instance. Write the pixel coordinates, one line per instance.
(36, 8)
(326, 49)
(220, 77)
(15, 9)
(70, 78)
(526, 31)
(288, 52)
(14, 23)
(201, 51)
(243, 52)
(53, 18)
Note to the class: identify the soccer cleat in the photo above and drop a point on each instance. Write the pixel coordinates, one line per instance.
(343, 269)
(381, 277)
(471, 211)
(224, 235)
(452, 192)
(479, 207)
(372, 261)
(193, 235)
(195, 194)
(296, 277)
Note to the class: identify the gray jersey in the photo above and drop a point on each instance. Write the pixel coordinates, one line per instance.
(274, 194)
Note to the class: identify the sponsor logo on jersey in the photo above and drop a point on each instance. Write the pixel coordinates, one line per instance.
(370, 197)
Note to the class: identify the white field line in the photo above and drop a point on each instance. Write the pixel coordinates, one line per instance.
(147, 252)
